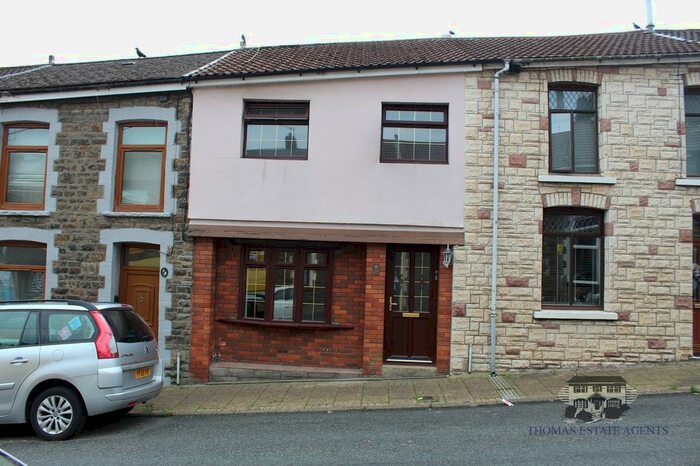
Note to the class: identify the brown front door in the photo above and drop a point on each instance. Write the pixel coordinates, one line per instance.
(411, 302)
(139, 280)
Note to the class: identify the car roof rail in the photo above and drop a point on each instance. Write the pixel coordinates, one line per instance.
(70, 302)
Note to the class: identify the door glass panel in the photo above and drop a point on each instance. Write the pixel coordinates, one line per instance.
(11, 326)
(421, 283)
(314, 302)
(255, 292)
(70, 327)
(284, 294)
(135, 256)
(401, 281)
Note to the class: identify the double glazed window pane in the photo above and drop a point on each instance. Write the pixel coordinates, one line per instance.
(19, 136)
(143, 135)
(421, 144)
(692, 139)
(415, 115)
(271, 140)
(255, 292)
(573, 134)
(571, 267)
(25, 177)
(284, 294)
(314, 302)
(141, 181)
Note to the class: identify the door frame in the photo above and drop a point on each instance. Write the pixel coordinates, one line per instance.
(388, 293)
(152, 271)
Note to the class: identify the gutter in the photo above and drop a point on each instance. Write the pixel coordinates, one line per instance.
(6, 97)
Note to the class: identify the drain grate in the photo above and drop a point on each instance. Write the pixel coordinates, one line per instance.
(505, 388)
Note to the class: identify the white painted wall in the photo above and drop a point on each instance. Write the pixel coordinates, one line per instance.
(342, 182)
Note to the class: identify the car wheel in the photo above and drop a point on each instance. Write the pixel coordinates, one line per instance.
(56, 414)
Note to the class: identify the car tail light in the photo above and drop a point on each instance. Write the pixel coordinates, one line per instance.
(105, 343)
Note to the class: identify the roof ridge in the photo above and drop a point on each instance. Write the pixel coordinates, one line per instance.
(207, 65)
(672, 37)
(19, 73)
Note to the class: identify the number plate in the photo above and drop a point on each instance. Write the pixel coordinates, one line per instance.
(143, 372)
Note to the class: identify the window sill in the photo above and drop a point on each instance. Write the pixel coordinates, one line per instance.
(299, 326)
(687, 181)
(138, 214)
(585, 179)
(565, 314)
(25, 213)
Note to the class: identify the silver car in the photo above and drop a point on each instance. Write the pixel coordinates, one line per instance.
(61, 361)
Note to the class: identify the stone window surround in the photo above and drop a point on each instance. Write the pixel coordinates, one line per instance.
(109, 269)
(37, 235)
(107, 177)
(575, 198)
(40, 115)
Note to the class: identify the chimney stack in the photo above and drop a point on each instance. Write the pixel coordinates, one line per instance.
(650, 16)
(52, 59)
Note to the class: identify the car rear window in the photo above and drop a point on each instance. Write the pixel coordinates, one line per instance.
(127, 326)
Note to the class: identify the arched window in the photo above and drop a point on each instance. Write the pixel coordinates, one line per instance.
(572, 258)
(22, 270)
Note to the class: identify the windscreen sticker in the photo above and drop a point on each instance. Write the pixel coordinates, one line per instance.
(64, 333)
(75, 323)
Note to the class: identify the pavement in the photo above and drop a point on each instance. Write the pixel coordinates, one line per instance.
(372, 393)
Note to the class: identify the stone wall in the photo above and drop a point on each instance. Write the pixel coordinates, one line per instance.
(648, 237)
(79, 223)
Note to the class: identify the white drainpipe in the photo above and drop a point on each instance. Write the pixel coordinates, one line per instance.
(494, 217)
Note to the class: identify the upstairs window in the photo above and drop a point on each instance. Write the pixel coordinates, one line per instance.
(140, 167)
(572, 258)
(276, 130)
(573, 136)
(23, 166)
(692, 130)
(22, 271)
(414, 133)
(284, 284)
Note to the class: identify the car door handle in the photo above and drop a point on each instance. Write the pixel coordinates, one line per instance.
(18, 361)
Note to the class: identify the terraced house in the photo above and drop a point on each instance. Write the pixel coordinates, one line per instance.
(93, 183)
(336, 215)
(330, 184)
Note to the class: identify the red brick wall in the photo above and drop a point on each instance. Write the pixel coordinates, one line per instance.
(444, 319)
(203, 284)
(374, 310)
(301, 347)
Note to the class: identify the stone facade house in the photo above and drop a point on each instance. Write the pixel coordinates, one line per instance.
(598, 227)
(335, 214)
(93, 177)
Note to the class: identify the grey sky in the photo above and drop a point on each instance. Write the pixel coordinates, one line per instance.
(80, 30)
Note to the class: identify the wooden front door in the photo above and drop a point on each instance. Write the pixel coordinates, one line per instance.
(139, 281)
(411, 304)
